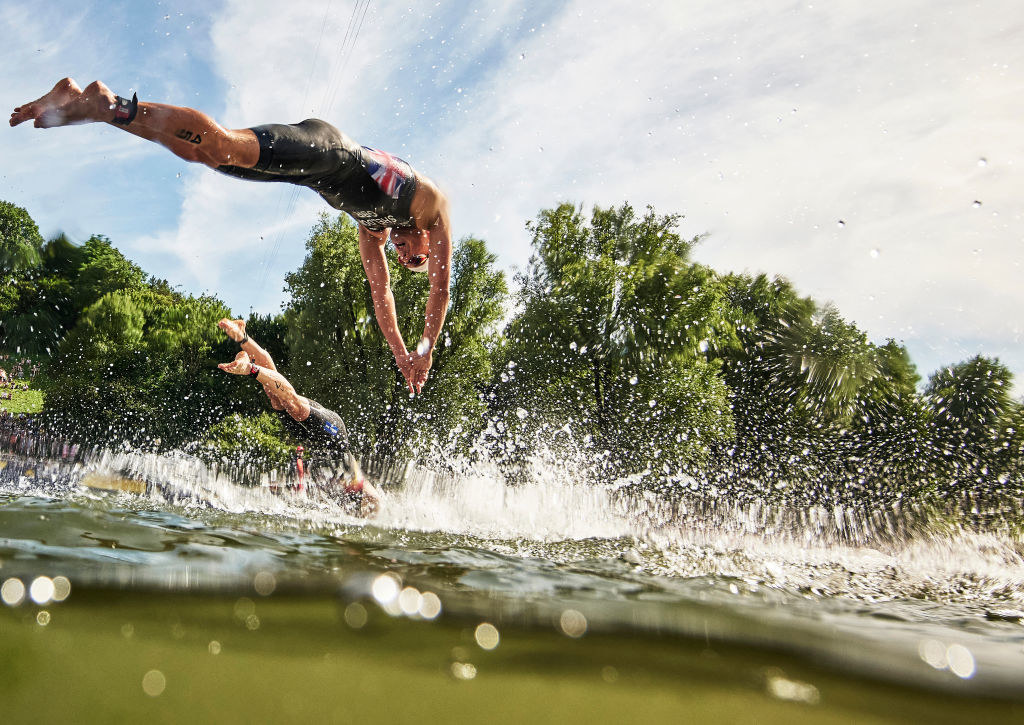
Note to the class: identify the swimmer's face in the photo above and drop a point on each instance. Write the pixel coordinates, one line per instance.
(413, 248)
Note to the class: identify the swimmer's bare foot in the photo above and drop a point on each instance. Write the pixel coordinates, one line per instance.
(67, 104)
(235, 329)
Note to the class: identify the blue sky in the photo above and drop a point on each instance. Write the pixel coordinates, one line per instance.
(764, 123)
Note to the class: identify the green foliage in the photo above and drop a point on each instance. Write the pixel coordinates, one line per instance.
(20, 240)
(975, 417)
(140, 367)
(38, 307)
(339, 357)
(617, 340)
(807, 387)
(103, 270)
(610, 335)
(256, 441)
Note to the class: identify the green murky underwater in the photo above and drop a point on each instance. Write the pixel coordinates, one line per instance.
(180, 595)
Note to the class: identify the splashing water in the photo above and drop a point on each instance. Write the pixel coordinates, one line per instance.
(891, 581)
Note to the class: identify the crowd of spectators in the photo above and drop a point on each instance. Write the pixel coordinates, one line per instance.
(21, 369)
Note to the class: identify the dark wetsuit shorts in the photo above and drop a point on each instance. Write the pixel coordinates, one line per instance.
(373, 186)
(331, 462)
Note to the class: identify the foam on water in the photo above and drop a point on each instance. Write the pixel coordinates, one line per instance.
(550, 505)
(819, 551)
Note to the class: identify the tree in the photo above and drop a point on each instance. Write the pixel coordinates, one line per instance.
(972, 410)
(610, 336)
(140, 367)
(799, 375)
(104, 269)
(20, 241)
(40, 305)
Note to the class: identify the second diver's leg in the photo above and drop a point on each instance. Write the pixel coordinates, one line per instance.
(190, 134)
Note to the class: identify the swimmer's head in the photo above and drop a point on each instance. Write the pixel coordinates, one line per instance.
(413, 248)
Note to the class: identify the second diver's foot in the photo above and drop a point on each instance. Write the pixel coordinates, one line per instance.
(67, 104)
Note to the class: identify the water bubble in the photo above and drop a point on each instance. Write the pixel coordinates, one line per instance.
(154, 683)
(487, 636)
(573, 623)
(961, 661)
(355, 615)
(430, 606)
(61, 588)
(264, 583)
(12, 592)
(244, 607)
(933, 653)
(41, 590)
(409, 601)
(385, 588)
(783, 688)
(43, 618)
(214, 647)
(463, 671)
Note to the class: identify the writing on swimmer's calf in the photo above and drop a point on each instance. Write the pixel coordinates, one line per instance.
(189, 136)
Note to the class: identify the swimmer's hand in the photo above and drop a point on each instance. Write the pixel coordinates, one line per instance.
(241, 365)
(421, 368)
(404, 362)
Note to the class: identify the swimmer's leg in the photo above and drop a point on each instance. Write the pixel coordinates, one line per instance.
(186, 132)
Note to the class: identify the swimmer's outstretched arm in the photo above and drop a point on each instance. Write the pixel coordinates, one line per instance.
(189, 134)
(296, 405)
(235, 329)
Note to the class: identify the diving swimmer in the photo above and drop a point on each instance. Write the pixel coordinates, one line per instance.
(382, 193)
(335, 468)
